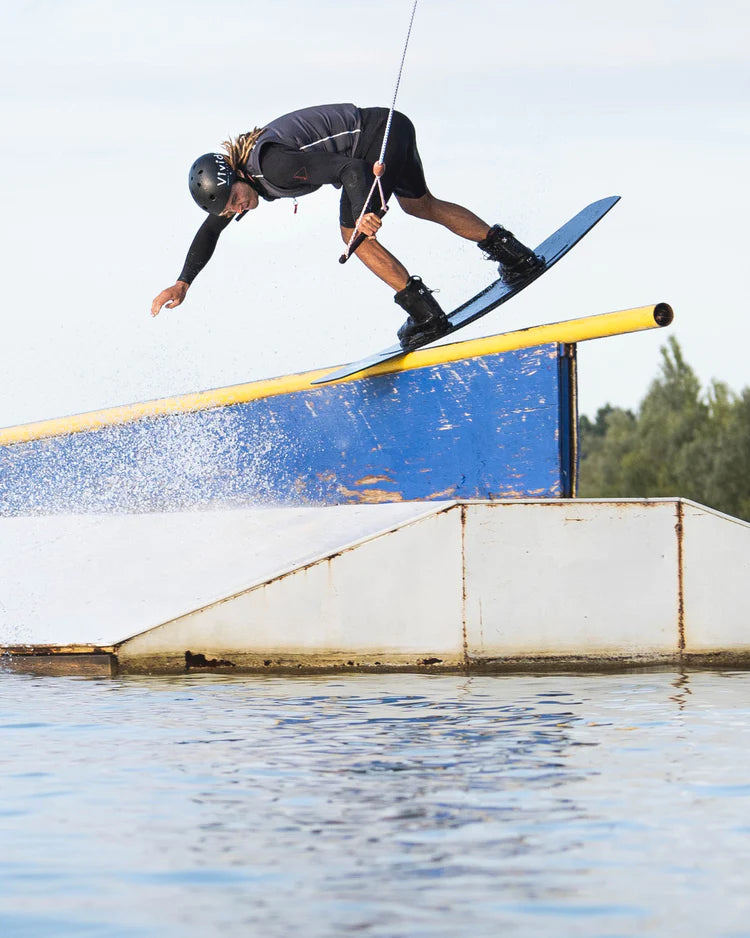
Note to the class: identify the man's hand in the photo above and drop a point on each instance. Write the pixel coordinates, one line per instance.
(370, 225)
(170, 297)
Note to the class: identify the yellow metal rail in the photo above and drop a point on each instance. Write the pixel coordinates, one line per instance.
(569, 331)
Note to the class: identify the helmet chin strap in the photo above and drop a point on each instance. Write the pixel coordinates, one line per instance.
(242, 176)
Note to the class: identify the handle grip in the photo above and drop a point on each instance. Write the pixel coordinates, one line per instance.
(359, 239)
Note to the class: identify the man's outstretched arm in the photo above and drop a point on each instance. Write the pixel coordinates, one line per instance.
(199, 254)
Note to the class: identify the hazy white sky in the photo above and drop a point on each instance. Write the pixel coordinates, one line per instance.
(524, 112)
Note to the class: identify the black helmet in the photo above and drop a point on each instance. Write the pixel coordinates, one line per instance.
(210, 180)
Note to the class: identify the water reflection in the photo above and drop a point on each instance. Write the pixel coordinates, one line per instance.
(388, 806)
(681, 683)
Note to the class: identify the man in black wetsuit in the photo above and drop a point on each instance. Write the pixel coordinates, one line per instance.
(340, 145)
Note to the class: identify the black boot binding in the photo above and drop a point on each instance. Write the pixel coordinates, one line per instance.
(517, 262)
(426, 319)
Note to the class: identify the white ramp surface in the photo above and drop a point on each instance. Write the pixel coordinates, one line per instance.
(99, 579)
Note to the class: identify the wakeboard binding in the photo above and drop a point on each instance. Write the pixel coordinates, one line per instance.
(516, 261)
(426, 321)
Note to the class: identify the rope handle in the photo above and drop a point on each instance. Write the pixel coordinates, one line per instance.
(357, 239)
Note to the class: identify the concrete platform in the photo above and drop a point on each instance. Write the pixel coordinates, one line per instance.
(479, 585)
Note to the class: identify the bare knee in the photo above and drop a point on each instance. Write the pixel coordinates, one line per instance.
(419, 208)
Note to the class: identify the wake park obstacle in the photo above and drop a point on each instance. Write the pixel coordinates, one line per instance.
(420, 515)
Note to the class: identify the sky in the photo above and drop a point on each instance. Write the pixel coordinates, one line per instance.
(524, 112)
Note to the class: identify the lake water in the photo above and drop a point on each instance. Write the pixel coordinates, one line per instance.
(377, 806)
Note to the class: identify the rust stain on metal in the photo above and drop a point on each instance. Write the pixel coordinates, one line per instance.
(365, 496)
(442, 494)
(464, 592)
(300, 485)
(680, 532)
(41, 650)
(332, 663)
(199, 660)
(370, 496)
(57, 661)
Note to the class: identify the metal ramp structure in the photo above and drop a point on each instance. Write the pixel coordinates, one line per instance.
(487, 418)
(418, 515)
(466, 586)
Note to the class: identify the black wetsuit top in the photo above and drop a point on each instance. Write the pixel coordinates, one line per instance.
(285, 168)
(282, 165)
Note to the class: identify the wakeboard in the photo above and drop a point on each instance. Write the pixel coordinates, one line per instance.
(497, 293)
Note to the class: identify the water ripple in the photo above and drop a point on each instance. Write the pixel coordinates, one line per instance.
(387, 806)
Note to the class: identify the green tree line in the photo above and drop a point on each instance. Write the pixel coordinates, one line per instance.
(682, 441)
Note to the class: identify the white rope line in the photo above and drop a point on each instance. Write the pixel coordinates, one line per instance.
(398, 83)
(376, 182)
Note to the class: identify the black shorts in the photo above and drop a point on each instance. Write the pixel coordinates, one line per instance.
(403, 175)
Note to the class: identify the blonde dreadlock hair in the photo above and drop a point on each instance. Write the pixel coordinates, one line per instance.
(238, 149)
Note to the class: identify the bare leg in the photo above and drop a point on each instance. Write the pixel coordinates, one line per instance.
(454, 217)
(380, 261)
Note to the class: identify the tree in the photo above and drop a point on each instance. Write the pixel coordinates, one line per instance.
(728, 483)
(681, 442)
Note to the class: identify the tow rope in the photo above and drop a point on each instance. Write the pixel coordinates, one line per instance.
(379, 167)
